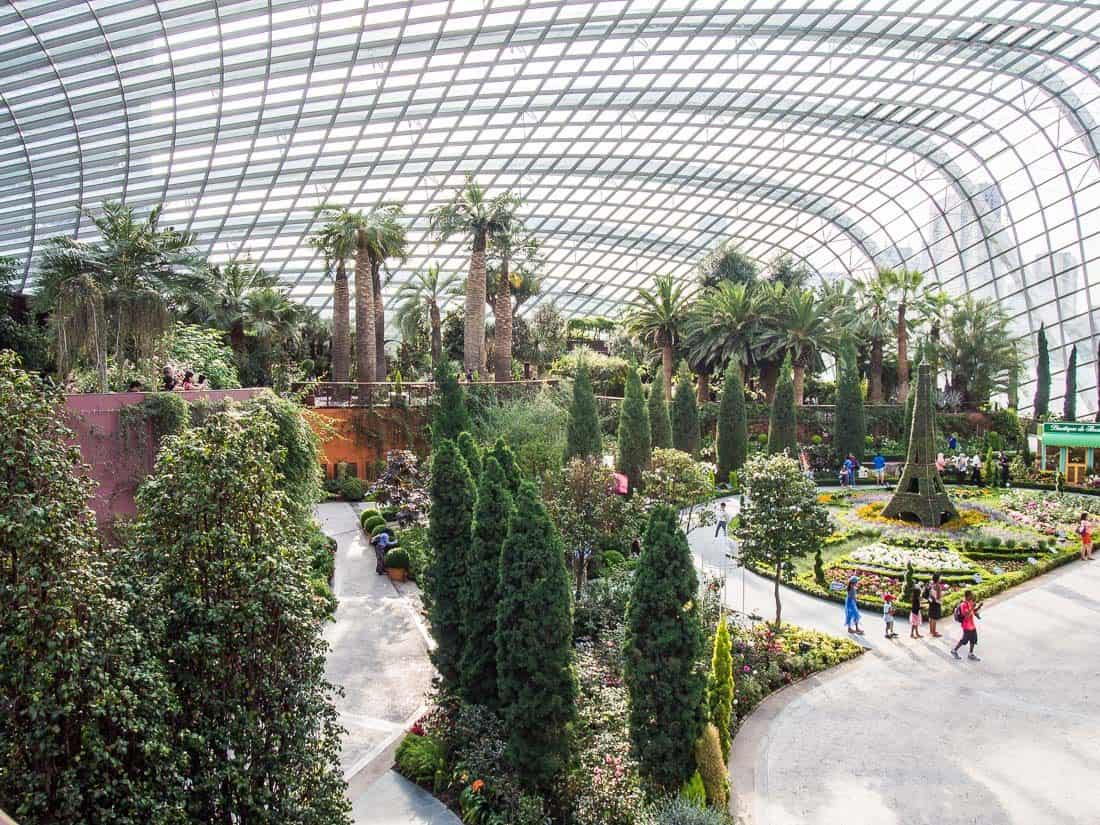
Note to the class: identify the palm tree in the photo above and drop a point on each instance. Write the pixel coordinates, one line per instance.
(978, 352)
(657, 318)
(134, 274)
(803, 328)
(426, 289)
(381, 237)
(472, 213)
(338, 240)
(770, 298)
(721, 327)
(513, 245)
(874, 312)
(905, 284)
(223, 302)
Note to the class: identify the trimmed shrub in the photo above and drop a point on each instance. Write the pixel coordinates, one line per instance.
(660, 425)
(450, 416)
(352, 489)
(849, 428)
(783, 423)
(663, 647)
(1042, 375)
(1069, 403)
(397, 559)
(685, 414)
(634, 438)
(612, 559)
(583, 436)
(471, 453)
(711, 762)
(421, 759)
(507, 461)
(720, 686)
(369, 515)
(733, 433)
(379, 529)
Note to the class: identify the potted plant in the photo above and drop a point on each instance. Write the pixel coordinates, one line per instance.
(397, 394)
(397, 564)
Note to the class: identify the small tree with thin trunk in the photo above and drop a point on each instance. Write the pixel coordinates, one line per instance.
(660, 425)
(634, 437)
(783, 424)
(733, 433)
(685, 415)
(781, 520)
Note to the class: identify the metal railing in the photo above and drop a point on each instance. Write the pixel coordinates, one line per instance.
(407, 393)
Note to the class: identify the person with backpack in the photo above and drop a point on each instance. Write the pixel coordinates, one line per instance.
(1084, 530)
(934, 594)
(967, 614)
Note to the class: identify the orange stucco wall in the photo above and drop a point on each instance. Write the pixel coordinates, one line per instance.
(362, 436)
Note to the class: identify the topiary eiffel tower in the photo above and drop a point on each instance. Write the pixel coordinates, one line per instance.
(920, 495)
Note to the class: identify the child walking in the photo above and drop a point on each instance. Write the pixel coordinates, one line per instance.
(966, 613)
(1084, 530)
(914, 614)
(888, 615)
(851, 609)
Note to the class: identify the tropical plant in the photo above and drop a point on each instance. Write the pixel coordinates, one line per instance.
(733, 435)
(875, 307)
(657, 318)
(116, 292)
(801, 327)
(223, 301)
(583, 437)
(535, 679)
(514, 250)
(726, 264)
(547, 339)
(1042, 376)
(381, 238)
(684, 415)
(660, 423)
(634, 438)
(721, 327)
(337, 239)
(662, 652)
(471, 212)
(781, 519)
(450, 531)
(849, 429)
(783, 422)
(426, 289)
(978, 352)
(786, 271)
(906, 285)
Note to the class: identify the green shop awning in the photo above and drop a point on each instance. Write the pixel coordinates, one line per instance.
(1070, 434)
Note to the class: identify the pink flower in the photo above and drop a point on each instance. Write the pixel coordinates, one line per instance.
(746, 669)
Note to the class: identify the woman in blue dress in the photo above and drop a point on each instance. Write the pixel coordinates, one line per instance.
(851, 610)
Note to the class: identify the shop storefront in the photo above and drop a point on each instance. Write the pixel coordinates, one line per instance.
(1068, 446)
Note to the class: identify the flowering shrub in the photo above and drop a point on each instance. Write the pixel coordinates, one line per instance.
(922, 558)
(966, 518)
(1049, 513)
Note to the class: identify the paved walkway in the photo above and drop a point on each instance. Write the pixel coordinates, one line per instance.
(907, 735)
(380, 657)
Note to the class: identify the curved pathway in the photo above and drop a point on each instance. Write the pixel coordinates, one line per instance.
(907, 734)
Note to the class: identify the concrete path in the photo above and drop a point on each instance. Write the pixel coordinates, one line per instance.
(379, 656)
(907, 735)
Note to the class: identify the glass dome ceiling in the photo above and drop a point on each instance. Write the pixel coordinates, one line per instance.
(958, 138)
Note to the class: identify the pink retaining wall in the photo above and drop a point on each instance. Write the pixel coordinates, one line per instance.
(119, 463)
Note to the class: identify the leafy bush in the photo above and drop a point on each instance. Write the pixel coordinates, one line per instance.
(352, 489)
(421, 759)
(534, 428)
(369, 515)
(397, 559)
(601, 606)
(203, 351)
(608, 373)
(378, 529)
(612, 559)
(414, 541)
(682, 812)
(694, 791)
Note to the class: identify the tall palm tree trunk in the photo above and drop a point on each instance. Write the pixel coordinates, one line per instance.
(769, 377)
(364, 310)
(903, 355)
(341, 322)
(474, 340)
(702, 388)
(666, 366)
(236, 339)
(437, 335)
(379, 323)
(502, 309)
(799, 383)
(874, 389)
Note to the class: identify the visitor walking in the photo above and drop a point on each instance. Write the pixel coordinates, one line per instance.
(941, 464)
(953, 442)
(935, 603)
(879, 463)
(1006, 470)
(851, 609)
(1084, 530)
(962, 464)
(914, 613)
(723, 520)
(976, 469)
(967, 613)
(888, 615)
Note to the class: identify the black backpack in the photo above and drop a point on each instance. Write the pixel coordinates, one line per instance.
(959, 613)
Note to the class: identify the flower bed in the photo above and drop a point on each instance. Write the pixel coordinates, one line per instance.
(922, 558)
(966, 518)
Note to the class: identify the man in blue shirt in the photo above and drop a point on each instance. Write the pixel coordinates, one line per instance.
(381, 542)
(879, 463)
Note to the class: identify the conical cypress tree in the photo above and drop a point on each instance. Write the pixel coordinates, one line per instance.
(470, 452)
(583, 436)
(1069, 404)
(1042, 376)
(720, 686)
(662, 651)
(534, 640)
(450, 525)
(507, 461)
(479, 594)
(660, 426)
(733, 432)
(848, 423)
(685, 414)
(783, 424)
(450, 416)
(634, 438)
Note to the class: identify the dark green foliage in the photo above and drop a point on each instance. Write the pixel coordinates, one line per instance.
(685, 414)
(450, 415)
(421, 759)
(907, 585)
(583, 432)
(479, 590)
(720, 686)
(397, 558)
(819, 569)
(660, 425)
(849, 429)
(352, 489)
(83, 728)
(662, 652)
(468, 447)
(634, 438)
(1042, 376)
(507, 461)
(1069, 406)
(242, 645)
(165, 413)
(733, 432)
(450, 530)
(783, 422)
(537, 688)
